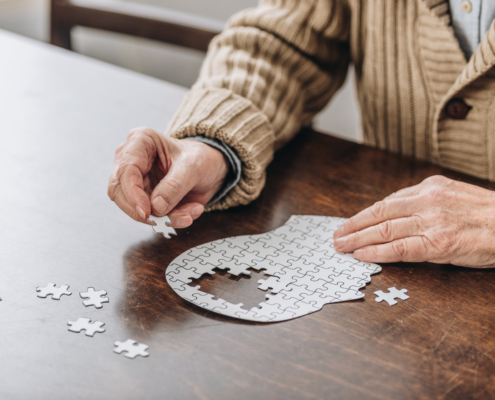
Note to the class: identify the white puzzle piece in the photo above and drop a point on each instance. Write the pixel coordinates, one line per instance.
(85, 324)
(131, 348)
(305, 272)
(94, 298)
(163, 225)
(391, 296)
(53, 290)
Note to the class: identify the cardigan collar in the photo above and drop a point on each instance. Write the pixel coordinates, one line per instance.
(447, 70)
(482, 59)
(440, 8)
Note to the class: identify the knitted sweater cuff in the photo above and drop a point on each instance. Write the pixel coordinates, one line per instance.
(236, 121)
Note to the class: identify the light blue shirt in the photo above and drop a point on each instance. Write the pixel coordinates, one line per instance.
(471, 26)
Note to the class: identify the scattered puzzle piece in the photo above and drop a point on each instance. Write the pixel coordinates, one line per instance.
(85, 324)
(94, 298)
(53, 290)
(131, 348)
(304, 270)
(391, 296)
(162, 225)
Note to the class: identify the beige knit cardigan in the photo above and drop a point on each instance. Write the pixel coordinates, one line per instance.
(278, 64)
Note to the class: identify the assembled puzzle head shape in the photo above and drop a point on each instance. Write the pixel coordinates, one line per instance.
(305, 272)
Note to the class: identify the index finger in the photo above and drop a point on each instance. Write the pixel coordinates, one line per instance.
(381, 211)
(133, 188)
(124, 205)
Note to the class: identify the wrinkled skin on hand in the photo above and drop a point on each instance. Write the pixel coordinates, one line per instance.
(439, 221)
(156, 174)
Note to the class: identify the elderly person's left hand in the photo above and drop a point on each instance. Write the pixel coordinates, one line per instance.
(439, 220)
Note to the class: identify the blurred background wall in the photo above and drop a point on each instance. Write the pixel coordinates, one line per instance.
(177, 65)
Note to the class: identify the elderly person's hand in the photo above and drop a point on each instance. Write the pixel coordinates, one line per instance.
(156, 174)
(439, 220)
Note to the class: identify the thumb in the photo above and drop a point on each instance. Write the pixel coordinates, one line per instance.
(171, 190)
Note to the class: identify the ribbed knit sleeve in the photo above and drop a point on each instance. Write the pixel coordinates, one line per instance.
(267, 74)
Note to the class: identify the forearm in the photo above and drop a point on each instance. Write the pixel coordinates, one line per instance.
(267, 74)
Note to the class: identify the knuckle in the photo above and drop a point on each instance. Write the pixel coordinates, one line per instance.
(111, 192)
(133, 132)
(119, 171)
(355, 239)
(146, 135)
(436, 180)
(419, 223)
(424, 251)
(385, 230)
(446, 243)
(400, 247)
(394, 195)
(120, 149)
(426, 242)
(432, 249)
(174, 189)
(350, 226)
(435, 195)
(440, 196)
(141, 130)
(372, 251)
(378, 209)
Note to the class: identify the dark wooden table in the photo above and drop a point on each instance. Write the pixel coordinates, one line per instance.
(57, 225)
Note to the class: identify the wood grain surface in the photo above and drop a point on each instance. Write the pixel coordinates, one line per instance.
(438, 344)
(57, 225)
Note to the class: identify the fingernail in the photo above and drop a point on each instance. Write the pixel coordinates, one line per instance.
(183, 222)
(339, 243)
(160, 205)
(141, 213)
(359, 254)
(197, 211)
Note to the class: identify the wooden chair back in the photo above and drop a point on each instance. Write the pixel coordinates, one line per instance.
(134, 19)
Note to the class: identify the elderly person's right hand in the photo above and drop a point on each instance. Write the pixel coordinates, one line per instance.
(156, 174)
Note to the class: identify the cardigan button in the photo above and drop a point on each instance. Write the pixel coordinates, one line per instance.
(457, 109)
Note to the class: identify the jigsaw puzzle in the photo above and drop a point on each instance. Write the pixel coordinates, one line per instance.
(391, 296)
(94, 298)
(305, 272)
(85, 324)
(131, 348)
(53, 290)
(162, 225)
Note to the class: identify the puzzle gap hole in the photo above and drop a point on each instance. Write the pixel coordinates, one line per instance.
(234, 289)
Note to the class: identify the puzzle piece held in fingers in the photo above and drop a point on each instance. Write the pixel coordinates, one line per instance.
(163, 225)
